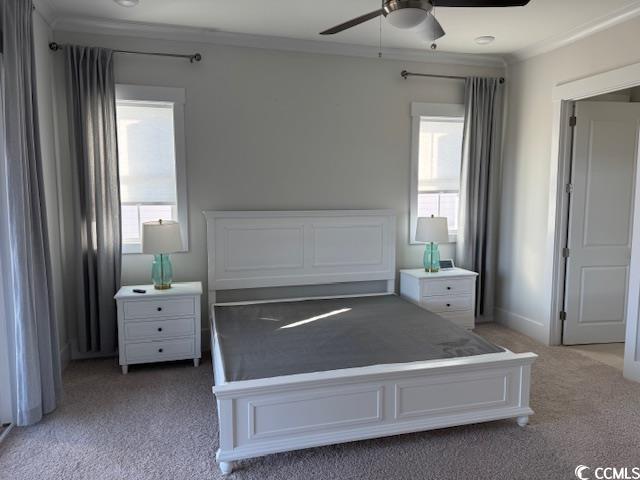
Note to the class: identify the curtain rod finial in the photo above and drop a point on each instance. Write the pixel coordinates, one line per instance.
(404, 74)
(54, 46)
(196, 57)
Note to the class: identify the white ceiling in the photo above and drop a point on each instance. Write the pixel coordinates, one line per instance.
(514, 28)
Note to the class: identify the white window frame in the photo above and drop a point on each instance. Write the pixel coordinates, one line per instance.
(433, 111)
(176, 96)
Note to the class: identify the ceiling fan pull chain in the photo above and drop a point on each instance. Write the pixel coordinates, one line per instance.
(380, 38)
(434, 45)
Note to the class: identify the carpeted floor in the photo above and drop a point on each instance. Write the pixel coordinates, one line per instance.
(610, 353)
(159, 422)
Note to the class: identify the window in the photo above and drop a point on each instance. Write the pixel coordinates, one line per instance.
(151, 159)
(435, 166)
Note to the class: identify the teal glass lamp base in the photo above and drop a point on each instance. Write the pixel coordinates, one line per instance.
(161, 271)
(431, 258)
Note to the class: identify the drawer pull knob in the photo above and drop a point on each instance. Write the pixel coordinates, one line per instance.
(448, 288)
(159, 309)
(160, 350)
(448, 304)
(159, 329)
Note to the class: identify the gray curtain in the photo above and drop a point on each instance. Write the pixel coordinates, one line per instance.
(91, 96)
(480, 186)
(34, 361)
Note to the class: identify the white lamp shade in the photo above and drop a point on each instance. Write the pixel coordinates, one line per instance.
(432, 229)
(162, 236)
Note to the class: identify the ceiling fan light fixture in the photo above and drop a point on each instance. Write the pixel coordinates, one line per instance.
(127, 3)
(431, 30)
(485, 39)
(406, 18)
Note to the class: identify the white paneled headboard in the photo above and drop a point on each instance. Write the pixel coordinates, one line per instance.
(292, 248)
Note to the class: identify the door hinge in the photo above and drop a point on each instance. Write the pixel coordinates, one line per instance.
(563, 315)
(573, 120)
(565, 252)
(569, 187)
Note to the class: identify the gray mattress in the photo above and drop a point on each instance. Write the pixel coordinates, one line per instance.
(274, 339)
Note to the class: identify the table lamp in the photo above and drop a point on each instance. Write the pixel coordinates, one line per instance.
(160, 238)
(433, 230)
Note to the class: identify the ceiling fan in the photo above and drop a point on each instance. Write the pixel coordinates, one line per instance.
(408, 14)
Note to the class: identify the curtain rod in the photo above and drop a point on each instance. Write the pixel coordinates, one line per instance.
(195, 57)
(405, 74)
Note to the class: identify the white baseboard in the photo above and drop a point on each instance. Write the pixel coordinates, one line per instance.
(527, 326)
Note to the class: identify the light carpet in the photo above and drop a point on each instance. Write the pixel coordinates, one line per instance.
(159, 422)
(610, 353)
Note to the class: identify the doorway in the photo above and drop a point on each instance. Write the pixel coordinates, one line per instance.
(564, 96)
(599, 217)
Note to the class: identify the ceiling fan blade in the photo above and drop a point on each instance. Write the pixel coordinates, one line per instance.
(479, 3)
(431, 29)
(353, 22)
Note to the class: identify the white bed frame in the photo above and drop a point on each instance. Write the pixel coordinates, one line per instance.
(295, 248)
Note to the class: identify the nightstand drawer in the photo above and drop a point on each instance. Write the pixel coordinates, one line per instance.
(159, 351)
(159, 308)
(159, 329)
(452, 286)
(443, 304)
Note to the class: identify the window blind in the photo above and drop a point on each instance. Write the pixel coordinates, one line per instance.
(146, 152)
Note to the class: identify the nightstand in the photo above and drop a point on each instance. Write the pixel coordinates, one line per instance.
(159, 325)
(450, 293)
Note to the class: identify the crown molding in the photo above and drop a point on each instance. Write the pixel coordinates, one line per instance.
(215, 37)
(46, 10)
(578, 33)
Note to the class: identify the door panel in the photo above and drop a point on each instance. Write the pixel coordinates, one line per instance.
(603, 295)
(601, 211)
(609, 183)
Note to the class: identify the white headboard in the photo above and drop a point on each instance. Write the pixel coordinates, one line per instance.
(292, 248)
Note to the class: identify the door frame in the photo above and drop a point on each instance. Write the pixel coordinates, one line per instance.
(563, 96)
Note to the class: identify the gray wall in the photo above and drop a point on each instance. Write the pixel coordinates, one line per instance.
(280, 130)
(526, 167)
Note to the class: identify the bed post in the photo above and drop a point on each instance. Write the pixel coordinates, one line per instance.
(525, 393)
(226, 467)
(211, 277)
(391, 283)
(226, 427)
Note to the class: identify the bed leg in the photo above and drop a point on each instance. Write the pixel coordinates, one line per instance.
(196, 362)
(523, 420)
(226, 467)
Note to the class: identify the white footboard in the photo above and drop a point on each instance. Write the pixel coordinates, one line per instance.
(259, 417)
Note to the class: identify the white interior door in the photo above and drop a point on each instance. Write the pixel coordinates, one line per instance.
(600, 219)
